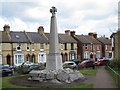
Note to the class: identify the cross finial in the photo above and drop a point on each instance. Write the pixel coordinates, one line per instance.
(53, 10)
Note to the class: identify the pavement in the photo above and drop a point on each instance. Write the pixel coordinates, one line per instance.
(103, 79)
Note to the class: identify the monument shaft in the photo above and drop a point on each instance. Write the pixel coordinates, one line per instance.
(54, 61)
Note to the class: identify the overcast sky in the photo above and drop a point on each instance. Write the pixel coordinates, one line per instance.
(82, 16)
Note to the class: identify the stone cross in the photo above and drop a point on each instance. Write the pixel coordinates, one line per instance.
(53, 10)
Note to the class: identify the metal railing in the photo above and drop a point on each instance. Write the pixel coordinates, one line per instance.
(115, 74)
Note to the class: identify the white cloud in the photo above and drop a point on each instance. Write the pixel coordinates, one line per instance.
(83, 16)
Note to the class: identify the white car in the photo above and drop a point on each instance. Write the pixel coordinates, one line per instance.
(69, 64)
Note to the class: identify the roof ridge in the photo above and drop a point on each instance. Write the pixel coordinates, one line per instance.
(28, 37)
(45, 36)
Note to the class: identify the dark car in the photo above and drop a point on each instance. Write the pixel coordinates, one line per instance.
(5, 70)
(33, 67)
(86, 64)
(77, 61)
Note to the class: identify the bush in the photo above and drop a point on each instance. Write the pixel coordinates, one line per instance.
(42, 66)
(115, 63)
(22, 69)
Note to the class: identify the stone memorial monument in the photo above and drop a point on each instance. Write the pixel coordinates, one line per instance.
(54, 71)
(54, 60)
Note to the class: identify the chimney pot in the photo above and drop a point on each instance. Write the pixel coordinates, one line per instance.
(41, 30)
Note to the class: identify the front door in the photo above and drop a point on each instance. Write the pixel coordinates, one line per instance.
(8, 60)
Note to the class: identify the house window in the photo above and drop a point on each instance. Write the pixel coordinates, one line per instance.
(62, 46)
(72, 46)
(91, 46)
(18, 59)
(106, 47)
(28, 46)
(86, 55)
(42, 57)
(86, 46)
(18, 48)
(72, 55)
(41, 46)
(98, 54)
(98, 47)
(33, 46)
(65, 46)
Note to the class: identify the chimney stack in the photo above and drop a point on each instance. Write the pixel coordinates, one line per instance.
(67, 32)
(90, 34)
(41, 30)
(95, 35)
(6, 28)
(72, 33)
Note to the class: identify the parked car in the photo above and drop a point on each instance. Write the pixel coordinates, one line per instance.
(77, 61)
(7, 65)
(86, 64)
(101, 62)
(34, 67)
(69, 64)
(27, 63)
(5, 70)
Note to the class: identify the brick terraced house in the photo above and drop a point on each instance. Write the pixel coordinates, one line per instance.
(17, 47)
(20, 46)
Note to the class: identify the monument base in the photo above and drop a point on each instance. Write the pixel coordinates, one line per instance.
(54, 62)
(62, 76)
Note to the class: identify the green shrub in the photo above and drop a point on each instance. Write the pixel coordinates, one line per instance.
(42, 66)
(115, 63)
(22, 69)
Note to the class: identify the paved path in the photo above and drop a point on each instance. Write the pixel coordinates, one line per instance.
(103, 79)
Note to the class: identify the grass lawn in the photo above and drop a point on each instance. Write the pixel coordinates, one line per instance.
(89, 71)
(84, 86)
(116, 76)
(7, 84)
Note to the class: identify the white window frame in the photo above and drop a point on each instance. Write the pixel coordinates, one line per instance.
(42, 57)
(106, 47)
(33, 47)
(98, 47)
(18, 59)
(98, 54)
(86, 55)
(20, 46)
(91, 46)
(62, 47)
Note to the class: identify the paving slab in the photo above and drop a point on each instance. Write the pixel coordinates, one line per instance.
(103, 79)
